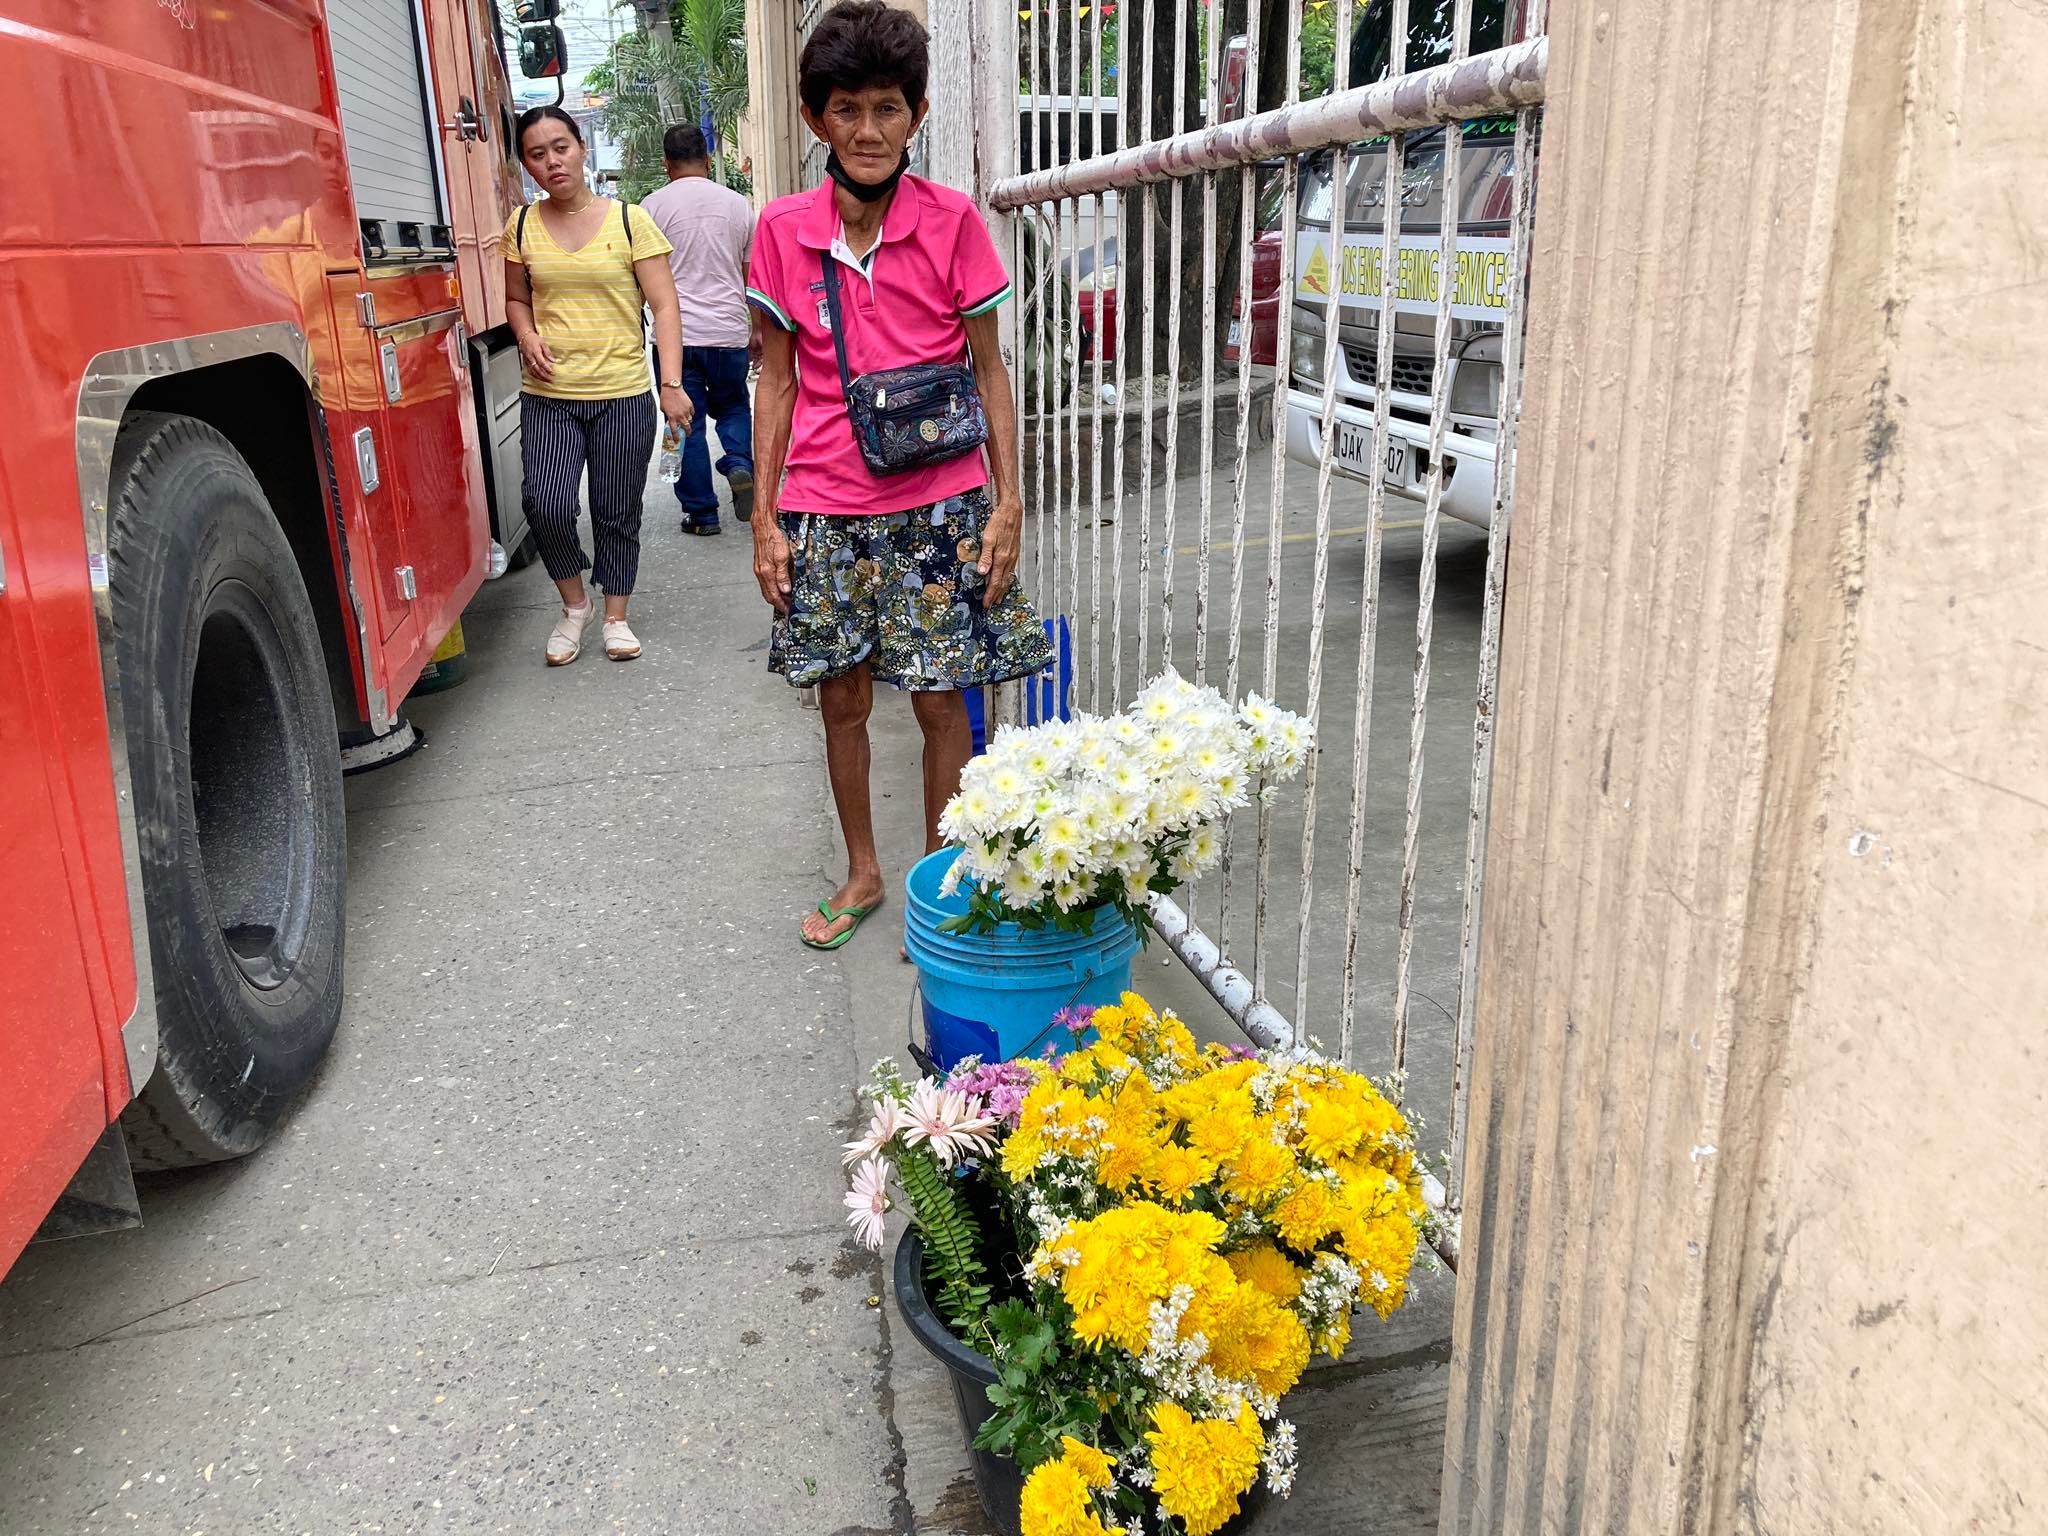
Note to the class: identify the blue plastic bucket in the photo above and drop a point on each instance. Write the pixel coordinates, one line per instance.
(993, 995)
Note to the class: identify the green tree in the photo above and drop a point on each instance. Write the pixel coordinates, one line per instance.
(648, 85)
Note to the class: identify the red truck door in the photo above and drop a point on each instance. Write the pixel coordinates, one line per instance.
(398, 324)
(475, 120)
(53, 1094)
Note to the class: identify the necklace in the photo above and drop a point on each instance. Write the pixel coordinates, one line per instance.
(590, 198)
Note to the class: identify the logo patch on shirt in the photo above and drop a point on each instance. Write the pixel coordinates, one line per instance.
(824, 315)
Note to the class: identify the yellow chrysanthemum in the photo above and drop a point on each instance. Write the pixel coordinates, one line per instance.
(1220, 1133)
(1114, 1266)
(1267, 1268)
(1330, 1127)
(1118, 1024)
(1132, 1133)
(1228, 1084)
(1172, 1040)
(1023, 1151)
(1384, 1251)
(1307, 1216)
(1093, 1465)
(1261, 1171)
(1250, 1333)
(1202, 1467)
(1056, 1499)
(1175, 1171)
(1333, 1340)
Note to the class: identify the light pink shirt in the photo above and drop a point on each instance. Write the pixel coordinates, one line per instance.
(934, 267)
(711, 229)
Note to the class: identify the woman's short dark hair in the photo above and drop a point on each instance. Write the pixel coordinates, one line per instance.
(863, 43)
(684, 144)
(533, 117)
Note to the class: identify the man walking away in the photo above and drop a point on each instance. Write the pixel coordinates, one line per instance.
(712, 230)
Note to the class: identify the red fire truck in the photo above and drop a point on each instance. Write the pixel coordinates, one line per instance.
(258, 430)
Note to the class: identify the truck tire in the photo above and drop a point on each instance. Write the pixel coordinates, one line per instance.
(237, 785)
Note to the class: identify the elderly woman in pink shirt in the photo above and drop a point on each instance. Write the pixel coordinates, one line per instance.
(906, 576)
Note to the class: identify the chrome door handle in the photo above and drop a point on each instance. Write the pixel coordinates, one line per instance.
(467, 124)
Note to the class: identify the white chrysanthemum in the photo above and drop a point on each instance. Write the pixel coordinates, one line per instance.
(1021, 889)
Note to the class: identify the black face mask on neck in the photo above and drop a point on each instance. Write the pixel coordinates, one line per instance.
(867, 192)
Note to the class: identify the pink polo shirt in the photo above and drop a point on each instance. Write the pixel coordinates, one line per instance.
(934, 267)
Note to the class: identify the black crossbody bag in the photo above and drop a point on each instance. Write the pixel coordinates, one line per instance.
(906, 418)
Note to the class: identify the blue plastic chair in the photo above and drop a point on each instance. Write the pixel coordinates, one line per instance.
(1045, 692)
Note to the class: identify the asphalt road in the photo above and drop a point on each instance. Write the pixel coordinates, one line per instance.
(554, 1243)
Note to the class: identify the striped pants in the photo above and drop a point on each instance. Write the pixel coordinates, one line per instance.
(615, 439)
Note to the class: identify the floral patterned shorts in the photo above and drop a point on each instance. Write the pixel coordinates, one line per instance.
(900, 591)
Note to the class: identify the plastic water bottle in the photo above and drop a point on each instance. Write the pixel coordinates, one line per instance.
(671, 454)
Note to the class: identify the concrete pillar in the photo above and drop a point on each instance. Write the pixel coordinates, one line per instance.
(1756, 1217)
(771, 134)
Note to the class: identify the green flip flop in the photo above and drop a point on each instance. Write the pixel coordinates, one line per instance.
(858, 914)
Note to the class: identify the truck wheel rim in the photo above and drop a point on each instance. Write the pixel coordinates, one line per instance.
(252, 789)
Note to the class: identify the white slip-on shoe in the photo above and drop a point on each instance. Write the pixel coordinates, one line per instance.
(565, 640)
(620, 643)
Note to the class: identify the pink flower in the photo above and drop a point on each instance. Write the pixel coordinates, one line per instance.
(882, 1130)
(1002, 1086)
(1076, 1021)
(951, 1121)
(868, 1201)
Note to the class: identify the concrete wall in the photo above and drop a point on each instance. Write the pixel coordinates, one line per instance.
(1756, 1206)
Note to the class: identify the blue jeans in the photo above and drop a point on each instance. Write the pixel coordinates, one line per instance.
(715, 378)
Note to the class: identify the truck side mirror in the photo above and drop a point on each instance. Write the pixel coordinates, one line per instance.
(543, 52)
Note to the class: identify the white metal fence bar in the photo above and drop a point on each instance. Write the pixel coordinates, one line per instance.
(1100, 330)
(1276, 514)
(1495, 81)
(1240, 479)
(1212, 96)
(1148, 297)
(1123, 257)
(1333, 323)
(1375, 519)
(1177, 235)
(1432, 528)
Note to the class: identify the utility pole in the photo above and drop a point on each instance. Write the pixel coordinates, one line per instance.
(653, 16)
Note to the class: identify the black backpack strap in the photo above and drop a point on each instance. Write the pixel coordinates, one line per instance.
(519, 239)
(831, 265)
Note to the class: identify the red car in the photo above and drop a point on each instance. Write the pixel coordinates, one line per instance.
(1265, 281)
(1095, 293)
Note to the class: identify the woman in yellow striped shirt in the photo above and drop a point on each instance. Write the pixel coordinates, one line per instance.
(578, 268)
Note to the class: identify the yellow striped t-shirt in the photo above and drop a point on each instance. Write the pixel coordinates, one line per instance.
(586, 304)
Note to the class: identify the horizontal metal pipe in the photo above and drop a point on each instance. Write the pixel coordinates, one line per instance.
(1504, 80)
(1269, 1029)
(1266, 1025)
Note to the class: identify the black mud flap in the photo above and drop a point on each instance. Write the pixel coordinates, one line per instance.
(100, 1197)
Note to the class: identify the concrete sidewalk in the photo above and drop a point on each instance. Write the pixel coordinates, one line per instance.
(555, 1242)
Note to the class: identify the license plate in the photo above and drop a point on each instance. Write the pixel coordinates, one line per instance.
(1354, 454)
(1235, 327)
